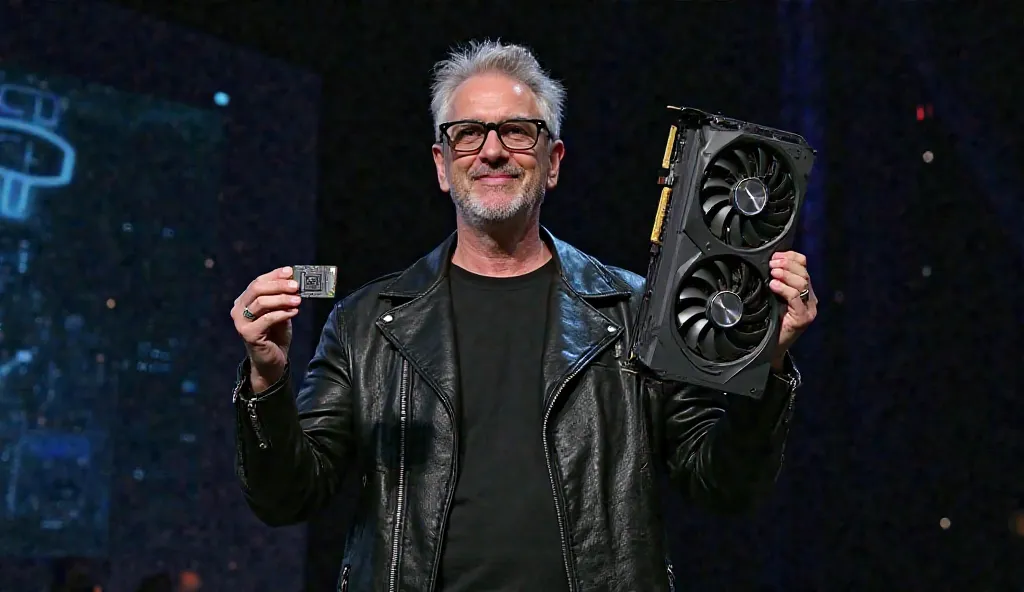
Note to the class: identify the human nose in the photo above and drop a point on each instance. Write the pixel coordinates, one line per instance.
(493, 149)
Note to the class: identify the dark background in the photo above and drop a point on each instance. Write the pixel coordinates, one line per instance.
(911, 404)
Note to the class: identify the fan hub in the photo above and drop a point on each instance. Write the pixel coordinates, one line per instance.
(749, 196)
(725, 309)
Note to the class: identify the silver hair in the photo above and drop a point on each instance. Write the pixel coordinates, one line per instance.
(515, 61)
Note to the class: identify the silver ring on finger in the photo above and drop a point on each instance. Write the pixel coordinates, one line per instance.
(248, 314)
(804, 296)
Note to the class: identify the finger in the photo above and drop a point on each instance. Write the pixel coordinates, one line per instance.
(790, 265)
(788, 293)
(262, 324)
(264, 304)
(267, 287)
(794, 256)
(798, 282)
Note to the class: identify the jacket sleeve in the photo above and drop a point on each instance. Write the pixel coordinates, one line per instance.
(725, 452)
(291, 451)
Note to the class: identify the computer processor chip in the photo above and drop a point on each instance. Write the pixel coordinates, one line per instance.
(316, 281)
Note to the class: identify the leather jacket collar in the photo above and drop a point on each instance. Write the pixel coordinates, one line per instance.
(420, 323)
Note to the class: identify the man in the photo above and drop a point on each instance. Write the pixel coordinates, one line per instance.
(503, 440)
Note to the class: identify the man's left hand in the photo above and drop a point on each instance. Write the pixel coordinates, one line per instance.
(792, 282)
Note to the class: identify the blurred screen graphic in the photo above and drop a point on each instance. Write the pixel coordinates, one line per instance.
(147, 174)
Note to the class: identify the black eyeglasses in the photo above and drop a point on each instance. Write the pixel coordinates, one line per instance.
(515, 135)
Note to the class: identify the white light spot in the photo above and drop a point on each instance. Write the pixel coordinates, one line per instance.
(926, 271)
(388, 318)
(138, 474)
(221, 99)
(944, 523)
(612, 329)
(928, 156)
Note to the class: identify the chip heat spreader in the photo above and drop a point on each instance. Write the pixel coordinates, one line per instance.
(316, 281)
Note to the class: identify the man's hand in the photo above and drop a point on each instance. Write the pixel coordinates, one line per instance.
(792, 282)
(263, 317)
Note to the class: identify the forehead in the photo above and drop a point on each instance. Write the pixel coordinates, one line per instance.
(490, 97)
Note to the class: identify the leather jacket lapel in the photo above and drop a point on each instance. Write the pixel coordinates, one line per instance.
(421, 324)
(577, 332)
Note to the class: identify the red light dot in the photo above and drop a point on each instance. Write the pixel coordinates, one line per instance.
(920, 113)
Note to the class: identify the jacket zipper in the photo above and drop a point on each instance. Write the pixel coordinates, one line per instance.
(257, 427)
(559, 511)
(396, 541)
(343, 587)
(451, 495)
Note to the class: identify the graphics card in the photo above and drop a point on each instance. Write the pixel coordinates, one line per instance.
(730, 198)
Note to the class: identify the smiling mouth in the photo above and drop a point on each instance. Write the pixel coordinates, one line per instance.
(495, 179)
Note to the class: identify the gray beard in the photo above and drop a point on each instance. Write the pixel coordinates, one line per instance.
(478, 214)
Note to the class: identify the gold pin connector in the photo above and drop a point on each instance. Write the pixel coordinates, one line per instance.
(666, 160)
(659, 217)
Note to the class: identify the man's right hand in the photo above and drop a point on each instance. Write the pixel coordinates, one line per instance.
(263, 317)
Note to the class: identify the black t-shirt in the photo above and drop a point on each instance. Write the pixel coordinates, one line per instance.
(502, 531)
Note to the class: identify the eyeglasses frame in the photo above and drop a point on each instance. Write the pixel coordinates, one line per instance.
(542, 127)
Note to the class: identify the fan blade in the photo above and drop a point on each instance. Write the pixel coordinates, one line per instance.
(767, 230)
(745, 161)
(762, 162)
(774, 218)
(759, 315)
(746, 340)
(784, 185)
(783, 201)
(735, 234)
(691, 293)
(724, 274)
(705, 276)
(712, 203)
(717, 224)
(726, 349)
(688, 316)
(776, 168)
(722, 163)
(718, 183)
(740, 278)
(750, 235)
(693, 334)
(755, 287)
(707, 346)
(782, 204)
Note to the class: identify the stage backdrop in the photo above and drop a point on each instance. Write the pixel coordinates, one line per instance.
(148, 173)
(902, 472)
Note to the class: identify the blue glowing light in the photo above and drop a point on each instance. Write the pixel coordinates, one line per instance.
(28, 117)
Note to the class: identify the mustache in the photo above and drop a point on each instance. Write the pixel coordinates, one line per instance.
(512, 171)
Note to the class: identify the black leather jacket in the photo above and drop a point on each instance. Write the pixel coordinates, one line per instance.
(379, 395)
